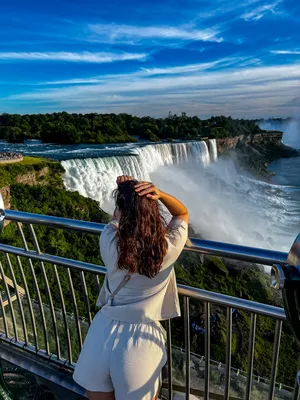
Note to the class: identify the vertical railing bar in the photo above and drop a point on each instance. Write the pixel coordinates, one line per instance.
(18, 298)
(98, 287)
(48, 291)
(86, 297)
(75, 308)
(4, 316)
(228, 354)
(207, 351)
(250, 356)
(186, 316)
(37, 289)
(64, 313)
(12, 312)
(169, 355)
(275, 359)
(28, 302)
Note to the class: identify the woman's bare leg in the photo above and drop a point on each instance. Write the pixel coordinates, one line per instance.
(155, 398)
(101, 395)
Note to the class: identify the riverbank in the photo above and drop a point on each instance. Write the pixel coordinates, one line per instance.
(256, 157)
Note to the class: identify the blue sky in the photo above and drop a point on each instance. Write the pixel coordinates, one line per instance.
(147, 57)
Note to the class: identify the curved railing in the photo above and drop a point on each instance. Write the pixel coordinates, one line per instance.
(43, 317)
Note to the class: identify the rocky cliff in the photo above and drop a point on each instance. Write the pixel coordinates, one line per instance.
(254, 153)
(43, 173)
(263, 138)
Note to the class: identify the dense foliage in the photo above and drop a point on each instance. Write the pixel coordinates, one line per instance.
(64, 128)
(45, 171)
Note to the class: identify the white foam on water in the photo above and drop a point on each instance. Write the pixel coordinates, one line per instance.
(224, 204)
(95, 177)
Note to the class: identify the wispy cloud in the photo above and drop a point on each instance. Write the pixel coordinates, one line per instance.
(132, 33)
(296, 52)
(260, 11)
(189, 69)
(85, 57)
(252, 91)
(221, 7)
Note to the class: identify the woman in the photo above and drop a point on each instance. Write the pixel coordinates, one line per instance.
(124, 351)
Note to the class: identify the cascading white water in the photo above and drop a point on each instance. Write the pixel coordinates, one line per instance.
(95, 177)
(224, 203)
(213, 151)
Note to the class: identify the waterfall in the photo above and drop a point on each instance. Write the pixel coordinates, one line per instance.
(213, 151)
(95, 177)
(224, 204)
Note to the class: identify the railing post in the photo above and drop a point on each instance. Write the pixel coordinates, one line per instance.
(250, 356)
(73, 297)
(64, 314)
(228, 353)
(4, 316)
(169, 355)
(187, 346)
(275, 359)
(11, 307)
(207, 351)
(16, 288)
(37, 289)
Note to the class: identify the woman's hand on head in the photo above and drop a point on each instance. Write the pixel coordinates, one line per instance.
(124, 178)
(147, 189)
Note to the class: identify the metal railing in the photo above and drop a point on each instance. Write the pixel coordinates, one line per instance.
(33, 323)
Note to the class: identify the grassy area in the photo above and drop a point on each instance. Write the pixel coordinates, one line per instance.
(27, 161)
(47, 172)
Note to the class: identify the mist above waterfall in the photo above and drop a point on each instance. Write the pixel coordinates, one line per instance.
(290, 128)
(225, 204)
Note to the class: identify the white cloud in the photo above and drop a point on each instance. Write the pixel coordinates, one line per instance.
(259, 12)
(76, 81)
(86, 56)
(296, 52)
(132, 33)
(222, 7)
(240, 92)
(189, 69)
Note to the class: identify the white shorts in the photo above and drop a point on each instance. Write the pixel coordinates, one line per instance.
(124, 357)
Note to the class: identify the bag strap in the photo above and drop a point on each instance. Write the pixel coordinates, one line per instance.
(123, 283)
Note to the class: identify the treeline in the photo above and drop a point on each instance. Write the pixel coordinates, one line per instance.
(64, 128)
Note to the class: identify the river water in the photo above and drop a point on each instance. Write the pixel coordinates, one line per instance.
(225, 203)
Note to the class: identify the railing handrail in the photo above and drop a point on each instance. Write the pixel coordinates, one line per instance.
(233, 302)
(237, 252)
(188, 291)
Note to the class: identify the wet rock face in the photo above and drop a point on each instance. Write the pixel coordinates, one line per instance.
(265, 137)
(254, 153)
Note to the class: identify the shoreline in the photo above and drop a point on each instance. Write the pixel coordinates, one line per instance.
(256, 159)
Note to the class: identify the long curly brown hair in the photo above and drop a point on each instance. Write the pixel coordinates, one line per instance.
(141, 242)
